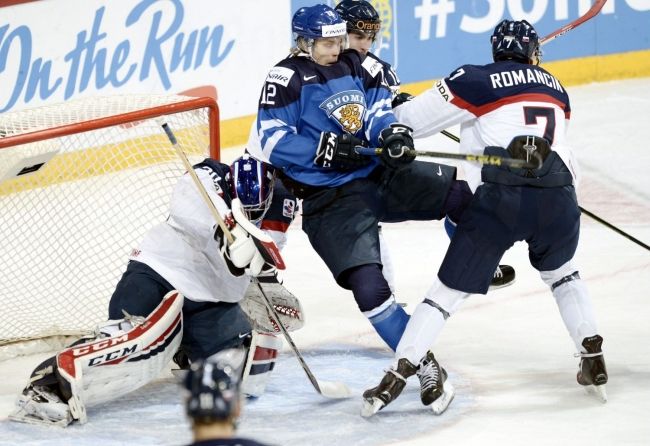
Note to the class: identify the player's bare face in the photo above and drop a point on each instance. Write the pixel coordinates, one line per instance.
(326, 51)
(361, 42)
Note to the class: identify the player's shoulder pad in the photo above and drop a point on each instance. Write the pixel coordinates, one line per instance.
(212, 165)
(219, 172)
(284, 71)
(372, 65)
(463, 82)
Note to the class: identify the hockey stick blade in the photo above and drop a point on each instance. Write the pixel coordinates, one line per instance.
(328, 389)
(592, 12)
(491, 160)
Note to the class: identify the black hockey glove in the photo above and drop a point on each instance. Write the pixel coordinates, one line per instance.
(337, 152)
(395, 141)
(401, 98)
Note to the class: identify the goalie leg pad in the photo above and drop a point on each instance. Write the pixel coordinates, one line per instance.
(122, 356)
(260, 362)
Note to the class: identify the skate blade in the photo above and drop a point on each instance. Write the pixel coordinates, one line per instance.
(598, 391)
(371, 406)
(21, 417)
(498, 287)
(443, 402)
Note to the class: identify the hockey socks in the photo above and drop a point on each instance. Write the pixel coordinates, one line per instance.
(389, 321)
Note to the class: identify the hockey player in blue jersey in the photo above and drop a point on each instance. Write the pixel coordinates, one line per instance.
(364, 34)
(315, 108)
(511, 108)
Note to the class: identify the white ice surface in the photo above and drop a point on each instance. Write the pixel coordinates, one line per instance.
(508, 353)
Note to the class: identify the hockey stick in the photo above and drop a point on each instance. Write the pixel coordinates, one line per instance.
(491, 160)
(329, 389)
(583, 210)
(592, 12)
(614, 228)
(197, 182)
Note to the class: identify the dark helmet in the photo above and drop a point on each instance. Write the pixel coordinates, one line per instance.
(252, 182)
(360, 16)
(515, 40)
(213, 386)
(316, 22)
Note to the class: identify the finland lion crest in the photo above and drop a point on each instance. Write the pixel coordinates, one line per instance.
(347, 108)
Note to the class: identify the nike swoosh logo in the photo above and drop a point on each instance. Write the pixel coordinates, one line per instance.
(308, 78)
(243, 335)
(439, 171)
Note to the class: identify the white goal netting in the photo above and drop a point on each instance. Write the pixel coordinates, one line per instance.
(80, 183)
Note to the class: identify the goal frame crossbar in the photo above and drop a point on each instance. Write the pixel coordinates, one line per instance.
(132, 116)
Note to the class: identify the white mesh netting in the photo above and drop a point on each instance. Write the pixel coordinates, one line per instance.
(74, 205)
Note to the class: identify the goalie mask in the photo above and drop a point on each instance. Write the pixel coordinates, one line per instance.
(252, 183)
(213, 387)
(516, 40)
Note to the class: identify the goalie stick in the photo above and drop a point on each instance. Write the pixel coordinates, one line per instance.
(491, 160)
(265, 245)
(329, 389)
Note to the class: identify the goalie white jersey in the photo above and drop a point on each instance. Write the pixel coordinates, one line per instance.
(183, 249)
(485, 101)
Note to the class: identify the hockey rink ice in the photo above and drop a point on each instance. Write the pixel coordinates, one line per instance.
(507, 353)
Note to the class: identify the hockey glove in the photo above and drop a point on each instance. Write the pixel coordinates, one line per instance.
(395, 141)
(401, 98)
(338, 152)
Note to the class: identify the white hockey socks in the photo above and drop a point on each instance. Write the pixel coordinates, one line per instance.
(427, 321)
(573, 301)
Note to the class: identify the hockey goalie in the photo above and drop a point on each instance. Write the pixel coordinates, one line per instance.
(186, 294)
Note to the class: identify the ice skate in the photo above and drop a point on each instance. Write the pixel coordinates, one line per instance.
(592, 372)
(504, 275)
(39, 405)
(435, 389)
(388, 389)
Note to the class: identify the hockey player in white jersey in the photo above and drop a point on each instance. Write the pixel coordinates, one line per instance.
(179, 297)
(510, 108)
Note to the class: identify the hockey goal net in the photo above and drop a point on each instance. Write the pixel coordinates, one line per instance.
(80, 183)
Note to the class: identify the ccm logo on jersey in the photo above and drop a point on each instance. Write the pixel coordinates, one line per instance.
(444, 91)
(280, 75)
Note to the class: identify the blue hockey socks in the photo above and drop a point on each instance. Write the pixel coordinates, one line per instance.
(390, 323)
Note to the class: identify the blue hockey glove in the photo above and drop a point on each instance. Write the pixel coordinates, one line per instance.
(338, 152)
(395, 141)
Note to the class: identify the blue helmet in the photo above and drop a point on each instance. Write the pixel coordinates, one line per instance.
(515, 40)
(213, 386)
(317, 22)
(252, 182)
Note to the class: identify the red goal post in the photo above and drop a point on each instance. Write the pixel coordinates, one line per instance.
(80, 184)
